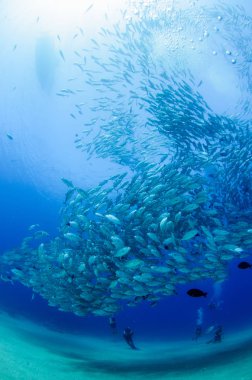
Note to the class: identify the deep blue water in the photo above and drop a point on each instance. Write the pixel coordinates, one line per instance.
(173, 318)
(22, 204)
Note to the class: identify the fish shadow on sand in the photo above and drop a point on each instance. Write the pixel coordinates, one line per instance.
(167, 364)
(56, 343)
(82, 356)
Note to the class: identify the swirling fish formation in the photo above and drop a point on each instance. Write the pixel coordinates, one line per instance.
(180, 209)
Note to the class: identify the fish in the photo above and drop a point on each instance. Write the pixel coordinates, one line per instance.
(196, 293)
(190, 234)
(89, 8)
(153, 237)
(33, 226)
(122, 252)
(67, 182)
(62, 55)
(244, 265)
(113, 219)
(117, 242)
(72, 237)
(177, 208)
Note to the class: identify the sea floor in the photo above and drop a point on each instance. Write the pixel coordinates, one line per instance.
(33, 352)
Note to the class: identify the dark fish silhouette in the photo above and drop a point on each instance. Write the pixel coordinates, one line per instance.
(196, 293)
(244, 265)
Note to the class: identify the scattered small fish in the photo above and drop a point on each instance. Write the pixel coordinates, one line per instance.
(62, 55)
(89, 8)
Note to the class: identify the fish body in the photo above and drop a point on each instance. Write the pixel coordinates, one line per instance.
(244, 265)
(196, 293)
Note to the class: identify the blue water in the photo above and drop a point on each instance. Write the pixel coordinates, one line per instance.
(25, 201)
(173, 318)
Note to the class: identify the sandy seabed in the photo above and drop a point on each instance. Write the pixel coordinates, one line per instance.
(33, 352)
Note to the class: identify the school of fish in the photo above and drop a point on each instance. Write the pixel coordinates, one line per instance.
(181, 207)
